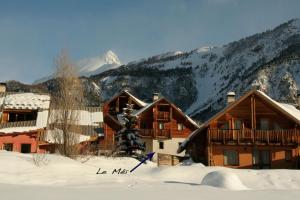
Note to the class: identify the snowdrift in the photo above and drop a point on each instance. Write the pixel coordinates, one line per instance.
(223, 179)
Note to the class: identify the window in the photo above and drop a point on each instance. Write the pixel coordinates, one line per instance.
(231, 157)
(161, 145)
(224, 126)
(8, 146)
(238, 124)
(25, 148)
(180, 126)
(161, 125)
(264, 124)
(288, 155)
(265, 159)
(276, 126)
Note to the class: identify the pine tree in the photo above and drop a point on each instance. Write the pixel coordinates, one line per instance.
(128, 140)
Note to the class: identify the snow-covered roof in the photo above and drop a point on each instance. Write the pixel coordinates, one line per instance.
(25, 101)
(85, 117)
(288, 108)
(148, 106)
(142, 103)
(55, 137)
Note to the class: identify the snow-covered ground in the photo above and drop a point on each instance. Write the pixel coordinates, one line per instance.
(63, 178)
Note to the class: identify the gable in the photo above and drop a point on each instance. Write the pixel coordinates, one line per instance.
(119, 102)
(265, 107)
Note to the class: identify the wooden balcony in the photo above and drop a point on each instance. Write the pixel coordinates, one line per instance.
(163, 116)
(151, 133)
(18, 124)
(247, 136)
(164, 133)
(146, 133)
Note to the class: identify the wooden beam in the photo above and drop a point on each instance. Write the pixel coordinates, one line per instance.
(254, 111)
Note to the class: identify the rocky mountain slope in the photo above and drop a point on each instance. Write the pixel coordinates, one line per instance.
(198, 81)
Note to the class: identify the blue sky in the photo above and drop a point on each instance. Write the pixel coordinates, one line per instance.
(33, 32)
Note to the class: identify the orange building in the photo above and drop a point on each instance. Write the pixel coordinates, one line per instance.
(23, 119)
(163, 126)
(254, 131)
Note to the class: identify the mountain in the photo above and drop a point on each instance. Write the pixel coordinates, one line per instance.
(91, 66)
(198, 81)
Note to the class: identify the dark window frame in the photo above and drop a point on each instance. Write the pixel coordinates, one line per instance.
(237, 158)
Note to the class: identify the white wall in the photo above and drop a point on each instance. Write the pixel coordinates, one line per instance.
(170, 146)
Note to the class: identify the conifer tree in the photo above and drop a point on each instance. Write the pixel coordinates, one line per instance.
(128, 139)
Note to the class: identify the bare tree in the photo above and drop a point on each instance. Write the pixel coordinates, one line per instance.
(65, 107)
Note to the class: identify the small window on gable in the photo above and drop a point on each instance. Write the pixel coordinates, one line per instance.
(237, 124)
(180, 126)
(276, 126)
(161, 125)
(224, 125)
(264, 124)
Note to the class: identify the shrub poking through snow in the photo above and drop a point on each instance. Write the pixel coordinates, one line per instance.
(128, 140)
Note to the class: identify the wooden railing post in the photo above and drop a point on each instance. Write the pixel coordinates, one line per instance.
(238, 136)
(282, 137)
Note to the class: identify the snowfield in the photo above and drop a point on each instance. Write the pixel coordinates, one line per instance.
(62, 178)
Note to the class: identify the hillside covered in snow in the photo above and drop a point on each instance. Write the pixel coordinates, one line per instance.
(198, 81)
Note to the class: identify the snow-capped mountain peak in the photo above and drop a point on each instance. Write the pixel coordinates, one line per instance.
(95, 65)
(92, 66)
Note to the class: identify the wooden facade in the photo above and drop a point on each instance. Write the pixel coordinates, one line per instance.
(162, 125)
(252, 132)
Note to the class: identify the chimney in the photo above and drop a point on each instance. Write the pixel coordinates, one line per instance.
(298, 99)
(155, 96)
(230, 97)
(2, 87)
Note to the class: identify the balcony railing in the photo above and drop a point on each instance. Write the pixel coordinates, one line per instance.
(163, 116)
(151, 133)
(146, 133)
(18, 124)
(164, 133)
(289, 136)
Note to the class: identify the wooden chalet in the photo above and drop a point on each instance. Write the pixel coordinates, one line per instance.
(254, 131)
(163, 126)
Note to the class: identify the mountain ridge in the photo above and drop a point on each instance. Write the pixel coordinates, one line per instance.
(198, 80)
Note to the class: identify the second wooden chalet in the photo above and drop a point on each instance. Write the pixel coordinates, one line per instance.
(163, 126)
(23, 118)
(254, 131)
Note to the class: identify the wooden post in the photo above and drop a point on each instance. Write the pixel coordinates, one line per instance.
(208, 145)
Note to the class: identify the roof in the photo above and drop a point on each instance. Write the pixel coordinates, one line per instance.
(142, 103)
(136, 100)
(25, 101)
(85, 117)
(288, 109)
(162, 98)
